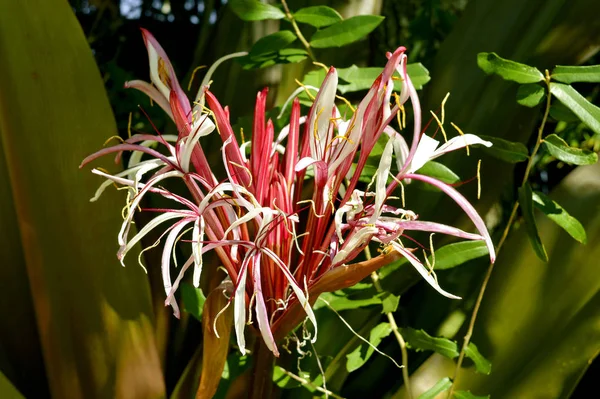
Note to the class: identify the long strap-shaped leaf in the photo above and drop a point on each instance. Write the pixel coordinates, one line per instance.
(94, 317)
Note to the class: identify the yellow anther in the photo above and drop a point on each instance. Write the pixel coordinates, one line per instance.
(108, 141)
(305, 89)
(345, 100)
(440, 125)
(462, 134)
(194, 75)
(479, 179)
(129, 126)
(316, 125)
(242, 135)
(443, 107)
(321, 65)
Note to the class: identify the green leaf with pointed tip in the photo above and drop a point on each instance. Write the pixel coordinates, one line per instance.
(509, 70)
(346, 31)
(419, 340)
(441, 386)
(561, 217)
(571, 155)
(390, 303)
(255, 10)
(96, 316)
(358, 357)
(193, 300)
(585, 110)
(440, 172)
(572, 74)
(317, 16)
(468, 395)
(526, 204)
(456, 254)
(482, 365)
(505, 150)
(530, 95)
(272, 43)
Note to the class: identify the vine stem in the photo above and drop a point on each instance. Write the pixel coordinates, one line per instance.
(290, 17)
(395, 330)
(509, 224)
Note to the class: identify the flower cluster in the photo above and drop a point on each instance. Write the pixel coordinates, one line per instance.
(288, 219)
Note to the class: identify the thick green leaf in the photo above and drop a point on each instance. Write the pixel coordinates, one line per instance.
(530, 95)
(441, 386)
(255, 10)
(560, 112)
(193, 300)
(561, 217)
(440, 172)
(456, 254)
(419, 75)
(468, 395)
(363, 352)
(95, 316)
(390, 303)
(283, 56)
(586, 111)
(340, 300)
(572, 74)
(509, 70)
(419, 340)
(482, 365)
(345, 32)
(526, 203)
(571, 155)
(505, 150)
(317, 16)
(272, 43)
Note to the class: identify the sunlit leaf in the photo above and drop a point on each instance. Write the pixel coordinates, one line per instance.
(390, 303)
(441, 386)
(360, 355)
(571, 74)
(509, 70)
(571, 155)
(585, 110)
(283, 379)
(526, 203)
(530, 95)
(560, 216)
(505, 150)
(340, 300)
(345, 32)
(440, 172)
(317, 16)
(419, 340)
(255, 10)
(456, 254)
(482, 365)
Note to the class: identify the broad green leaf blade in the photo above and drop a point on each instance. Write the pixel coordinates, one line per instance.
(419, 340)
(389, 303)
(272, 43)
(215, 344)
(440, 172)
(456, 254)
(419, 75)
(193, 300)
(482, 365)
(586, 111)
(340, 300)
(530, 95)
(96, 316)
(345, 32)
(558, 215)
(505, 150)
(441, 386)
(283, 56)
(560, 112)
(317, 16)
(572, 74)
(255, 10)
(8, 390)
(509, 70)
(468, 395)
(526, 203)
(362, 353)
(571, 155)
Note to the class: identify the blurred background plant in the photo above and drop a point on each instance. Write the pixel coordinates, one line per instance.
(76, 324)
